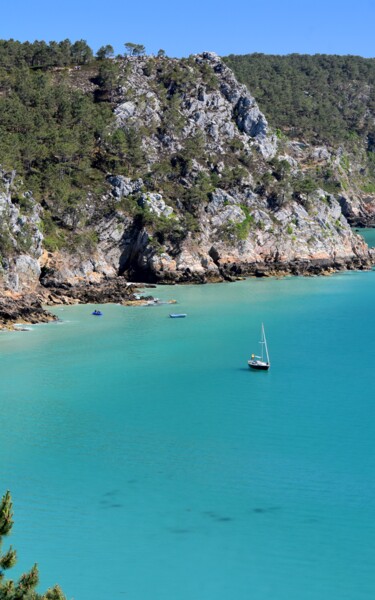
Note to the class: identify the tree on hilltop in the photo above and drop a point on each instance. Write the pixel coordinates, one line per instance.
(24, 588)
(134, 49)
(81, 53)
(105, 52)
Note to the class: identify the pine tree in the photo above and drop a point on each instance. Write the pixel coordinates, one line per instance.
(25, 588)
(134, 49)
(105, 52)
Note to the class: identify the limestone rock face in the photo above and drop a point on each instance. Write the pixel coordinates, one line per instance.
(227, 215)
(357, 205)
(248, 118)
(24, 273)
(213, 194)
(155, 204)
(21, 238)
(240, 235)
(124, 186)
(224, 113)
(359, 209)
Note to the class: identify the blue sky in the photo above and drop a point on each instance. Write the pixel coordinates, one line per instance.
(183, 28)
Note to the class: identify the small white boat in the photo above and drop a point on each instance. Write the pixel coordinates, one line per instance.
(178, 315)
(258, 362)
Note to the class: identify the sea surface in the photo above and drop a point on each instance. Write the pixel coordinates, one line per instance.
(368, 234)
(148, 462)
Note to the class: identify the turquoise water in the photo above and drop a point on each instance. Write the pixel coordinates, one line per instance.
(147, 461)
(368, 234)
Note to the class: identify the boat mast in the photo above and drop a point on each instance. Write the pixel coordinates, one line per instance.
(265, 344)
(262, 344)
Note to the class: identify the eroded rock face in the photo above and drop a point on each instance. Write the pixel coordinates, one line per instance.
(225, 221)
(155, 204)
(245, 111)
(25, 308)
(221, 114)
(21, 239)
(240, 234)
(124, 186)
(23, 274)
(359, 210)
(238, 228)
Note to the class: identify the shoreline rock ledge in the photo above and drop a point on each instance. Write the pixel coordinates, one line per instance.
(25, 307)
(22, 309)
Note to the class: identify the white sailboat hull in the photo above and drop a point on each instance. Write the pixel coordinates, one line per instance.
(259, 365)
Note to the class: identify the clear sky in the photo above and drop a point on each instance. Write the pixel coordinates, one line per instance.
(182, 28)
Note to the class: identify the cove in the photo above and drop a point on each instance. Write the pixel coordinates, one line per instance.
(146, 460)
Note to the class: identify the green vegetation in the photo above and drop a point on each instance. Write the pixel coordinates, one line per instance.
(241, 230)
(134, 49)
(6, 245)
(15, 55)
(51, 135)
(108, 80)
(58, 131)
(24, 588)
(320, 98)
(54, 134)
(105, 52)
(197, 194)
(59, 134)
(369, 188)
(307, 185)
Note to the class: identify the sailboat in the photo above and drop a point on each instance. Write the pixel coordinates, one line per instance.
(258, 362)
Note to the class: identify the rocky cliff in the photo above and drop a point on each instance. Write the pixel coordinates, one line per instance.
(195, 187)
(328, 103)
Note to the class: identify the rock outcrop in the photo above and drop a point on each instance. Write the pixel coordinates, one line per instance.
(21, 238)
(211, 194)
(22, 309)
(217, 106)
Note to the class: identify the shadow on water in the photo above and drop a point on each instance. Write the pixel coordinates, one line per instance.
(112, 493)
(179, 531)
(266, 510)
(218, 518)
(106, 505)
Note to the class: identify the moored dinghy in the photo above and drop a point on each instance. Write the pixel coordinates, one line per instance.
(258, 362)
(178, 315)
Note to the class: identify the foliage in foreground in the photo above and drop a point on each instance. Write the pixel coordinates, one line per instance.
(25, 587)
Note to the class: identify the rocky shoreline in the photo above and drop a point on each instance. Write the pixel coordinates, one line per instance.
(30, 308)
(216, 196)
(298, 267)
(24, 309)
(234, 271)
(114, 290)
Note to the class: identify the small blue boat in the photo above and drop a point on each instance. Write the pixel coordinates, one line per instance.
(97, 313)
(178, 315)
